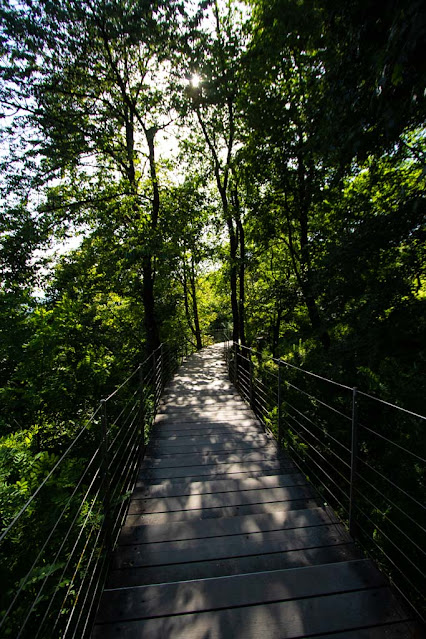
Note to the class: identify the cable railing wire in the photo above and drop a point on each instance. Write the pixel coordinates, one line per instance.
(387, 440)
(126, 381)
(59, 519)
(371, 432)
(391, 483)
(123, 410)
(44, 482)
(302, 465)
(57, 588)
(397, 548)
(393, 504)
(335, 410)
(399, 408)
(397, 569)
(388, 519)
(37, 598)
(317, 464)
(326, 433)
(331, 452)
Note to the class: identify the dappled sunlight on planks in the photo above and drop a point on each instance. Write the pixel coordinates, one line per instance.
(226, 539)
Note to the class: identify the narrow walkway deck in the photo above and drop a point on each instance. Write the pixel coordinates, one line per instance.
(225, 539)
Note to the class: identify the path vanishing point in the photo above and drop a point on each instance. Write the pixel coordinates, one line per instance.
(226, 539)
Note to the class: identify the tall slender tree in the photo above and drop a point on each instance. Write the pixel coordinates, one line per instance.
(215, 60)
(91, 80)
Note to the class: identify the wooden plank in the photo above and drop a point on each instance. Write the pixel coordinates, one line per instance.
(209, 459)
(244, 416)
(233, 447)
(228, 422)
(228, 445)
(221, 527)
(145, 480)
(219, 500)
(288, 619)
(230, 406)
(259, 467)
(232, 566)
(233, 546)
(177, 396)
(241, 590)
(200, 399)
(171, 441)
(243, 424)
(176, 488)
(201, 405)
(395, 630)
(206, 429)
(223, 511)
(196, 391)
(207, 433)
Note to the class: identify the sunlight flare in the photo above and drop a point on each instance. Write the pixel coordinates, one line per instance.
(195, 80)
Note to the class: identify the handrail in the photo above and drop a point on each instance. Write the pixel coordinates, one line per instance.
(73, 518)
(360, 451)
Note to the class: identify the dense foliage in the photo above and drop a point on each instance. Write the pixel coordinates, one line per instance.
(170, 168)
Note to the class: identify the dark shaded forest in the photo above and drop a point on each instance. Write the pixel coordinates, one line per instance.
(170, 168)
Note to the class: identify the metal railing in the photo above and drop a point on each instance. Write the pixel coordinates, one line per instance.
(364, 455)
(55, 552)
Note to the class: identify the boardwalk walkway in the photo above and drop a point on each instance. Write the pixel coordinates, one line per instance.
(225, 539)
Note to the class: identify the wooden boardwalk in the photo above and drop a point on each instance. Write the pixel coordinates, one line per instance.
(225, 539)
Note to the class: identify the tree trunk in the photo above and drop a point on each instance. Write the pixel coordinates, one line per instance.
(233, 251)
(305, 261)
(276, 332)
(241, 301)
(242, 266)
(222, 186)
(315, 318)
(195, 307)
(185, 297)
(155, 205)
(233, 248)
(151, 327)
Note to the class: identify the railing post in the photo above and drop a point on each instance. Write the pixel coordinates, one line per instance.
(280, 433)
(142, 411)
(154, 368)
(251, 367)
(235, 365)
(106, 499)
(162, 369)
(354, 460)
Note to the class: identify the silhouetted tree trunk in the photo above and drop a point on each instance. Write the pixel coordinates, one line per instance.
(195, 306)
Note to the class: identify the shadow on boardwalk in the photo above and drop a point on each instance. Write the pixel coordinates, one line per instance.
(225, 539)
